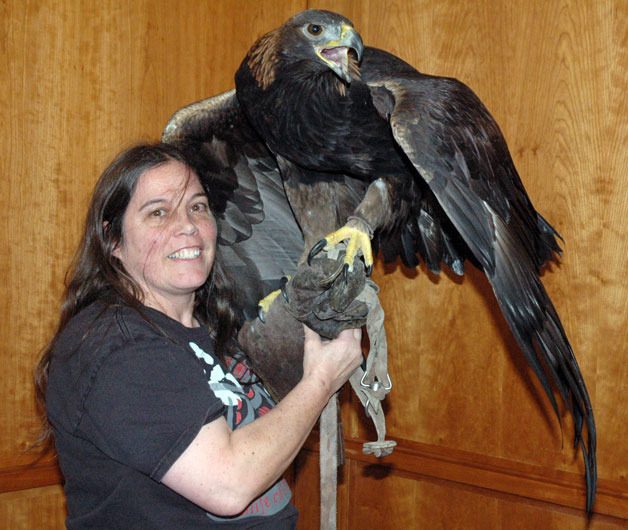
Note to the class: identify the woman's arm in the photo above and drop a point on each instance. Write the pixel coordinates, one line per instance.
(223, 470)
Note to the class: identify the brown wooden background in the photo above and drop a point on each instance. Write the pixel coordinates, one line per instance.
(478, 444)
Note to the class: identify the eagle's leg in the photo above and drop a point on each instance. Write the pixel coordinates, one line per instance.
(372, 213)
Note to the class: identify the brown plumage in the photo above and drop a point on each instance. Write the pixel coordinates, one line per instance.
(262, 60)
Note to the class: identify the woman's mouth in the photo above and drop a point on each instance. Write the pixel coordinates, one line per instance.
(186, 253)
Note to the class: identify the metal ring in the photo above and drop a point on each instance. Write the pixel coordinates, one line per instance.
(374, 386)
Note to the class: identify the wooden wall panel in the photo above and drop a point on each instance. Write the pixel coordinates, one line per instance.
(41, 508)
(79, 80)
(419, 503)
(375, 496)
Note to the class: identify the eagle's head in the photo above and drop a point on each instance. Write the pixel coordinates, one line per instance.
(326, 38)
(312, 40)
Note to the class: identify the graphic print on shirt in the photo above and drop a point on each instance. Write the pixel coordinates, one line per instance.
(245, 399)
(243, 404)
(224, 386)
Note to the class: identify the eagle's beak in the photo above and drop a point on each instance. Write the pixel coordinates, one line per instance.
(336, 53)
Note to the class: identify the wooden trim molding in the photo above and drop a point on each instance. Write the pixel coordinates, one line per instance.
(499, 475)
(418, 460)
(31, 475)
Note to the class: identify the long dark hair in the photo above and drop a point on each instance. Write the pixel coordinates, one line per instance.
(96, 274)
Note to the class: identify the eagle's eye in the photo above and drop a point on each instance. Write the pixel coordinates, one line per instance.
(314, 29)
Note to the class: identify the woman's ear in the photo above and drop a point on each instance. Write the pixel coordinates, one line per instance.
(116, 249)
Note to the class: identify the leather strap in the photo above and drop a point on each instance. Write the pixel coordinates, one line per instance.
(328, 462)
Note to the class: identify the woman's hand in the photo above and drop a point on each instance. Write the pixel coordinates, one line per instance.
(331, 363)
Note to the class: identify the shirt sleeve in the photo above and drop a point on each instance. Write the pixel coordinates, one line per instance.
(147, 402)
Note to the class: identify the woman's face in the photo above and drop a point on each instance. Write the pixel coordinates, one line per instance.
(168, 235)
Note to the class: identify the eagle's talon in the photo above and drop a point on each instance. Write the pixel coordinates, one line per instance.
(369, 270)
(284, 293)
(316, 250)
(260, 314)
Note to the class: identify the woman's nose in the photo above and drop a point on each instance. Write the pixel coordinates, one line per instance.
(186, 224)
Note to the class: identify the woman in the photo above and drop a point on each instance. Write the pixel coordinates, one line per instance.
(143, 412)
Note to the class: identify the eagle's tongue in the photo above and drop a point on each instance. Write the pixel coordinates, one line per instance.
(337, 55)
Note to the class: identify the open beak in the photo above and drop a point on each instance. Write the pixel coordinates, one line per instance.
(336, 53)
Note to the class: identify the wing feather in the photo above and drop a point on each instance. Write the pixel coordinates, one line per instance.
(458, 150)
(259, 239)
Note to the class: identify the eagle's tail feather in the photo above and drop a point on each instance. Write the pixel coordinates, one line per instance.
(540, 334)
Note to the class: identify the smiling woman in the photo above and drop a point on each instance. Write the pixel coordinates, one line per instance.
(151, 428)
(168, 239)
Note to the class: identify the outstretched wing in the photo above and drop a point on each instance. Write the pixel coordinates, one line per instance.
(259, 240)
(458, 150)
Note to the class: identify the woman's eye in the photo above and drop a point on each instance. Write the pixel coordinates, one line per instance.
(200, 207)
(314, 29)
(159, 212)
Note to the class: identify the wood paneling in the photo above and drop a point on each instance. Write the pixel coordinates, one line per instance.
(415, 502)
(32, 473)
(80, 80)
(398, 495)
(41, 508)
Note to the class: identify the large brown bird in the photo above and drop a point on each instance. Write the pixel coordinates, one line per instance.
(363, 146)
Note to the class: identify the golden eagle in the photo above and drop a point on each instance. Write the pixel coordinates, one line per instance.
(325, 140)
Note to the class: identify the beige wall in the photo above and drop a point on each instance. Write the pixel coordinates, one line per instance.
(479, 447)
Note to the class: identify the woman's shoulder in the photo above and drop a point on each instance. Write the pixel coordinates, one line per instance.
(101, 329)
(110, 320)
(80, 350)
(112, 347)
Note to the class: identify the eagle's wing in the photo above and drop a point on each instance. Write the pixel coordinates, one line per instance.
(458, 150)
(259, 240)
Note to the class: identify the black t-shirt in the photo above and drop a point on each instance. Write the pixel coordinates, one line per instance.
(128, 391)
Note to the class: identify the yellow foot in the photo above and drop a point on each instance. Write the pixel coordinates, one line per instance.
(359, 242)
(263, 306)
